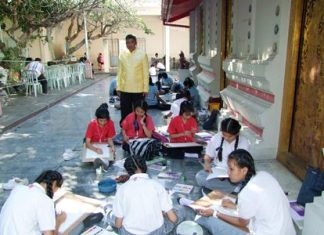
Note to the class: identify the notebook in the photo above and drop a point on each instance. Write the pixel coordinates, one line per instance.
(89, 156)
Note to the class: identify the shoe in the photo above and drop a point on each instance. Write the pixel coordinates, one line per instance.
(69, 154)
(100, 163)
(14, 182)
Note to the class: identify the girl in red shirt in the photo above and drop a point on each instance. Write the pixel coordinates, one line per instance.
(101, 130)
(137, 124)
(182, 128)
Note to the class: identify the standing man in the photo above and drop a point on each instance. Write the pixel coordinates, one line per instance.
(133, 76)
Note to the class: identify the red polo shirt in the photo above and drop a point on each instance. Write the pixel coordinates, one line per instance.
(99, 134)
(177, 126)
(128, 126)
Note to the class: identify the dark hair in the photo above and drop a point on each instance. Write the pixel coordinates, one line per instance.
(186, 107)
(243, 159)
(231, 126)
(131, 36)
(150, 81)
(132, 163)
(141, 104)
(48, 177)
(164, 75)
(160, 76)
(188, 82)
(102, 111)
(38, 59)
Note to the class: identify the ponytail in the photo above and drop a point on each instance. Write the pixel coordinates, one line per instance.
(220, 150)
(236, 142)
(48, 177)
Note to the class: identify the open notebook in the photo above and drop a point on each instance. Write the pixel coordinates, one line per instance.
(89, 156)
(218, 172)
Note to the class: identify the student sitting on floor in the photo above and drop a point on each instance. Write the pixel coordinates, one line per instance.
(182, 128)
(101, 130)
(175, 106)
(30, 209)
(137, 124)
(189, 84)
(141, 202)
(262, 205)
(153, 99)
(217, 151)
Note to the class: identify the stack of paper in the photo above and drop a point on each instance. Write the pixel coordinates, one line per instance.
(169, 175)
(182, 188)
(96, 230)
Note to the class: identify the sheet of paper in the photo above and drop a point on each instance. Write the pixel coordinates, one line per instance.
(191, 155)
(90, 156)
(218, 172)
(96, 230)
(182, 145)
(74, 210)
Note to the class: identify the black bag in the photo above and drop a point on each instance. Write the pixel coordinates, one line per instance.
(211, 122)
(146, 148)
(312, 186)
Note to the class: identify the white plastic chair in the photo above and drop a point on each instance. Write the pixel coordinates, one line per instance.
(31, 82)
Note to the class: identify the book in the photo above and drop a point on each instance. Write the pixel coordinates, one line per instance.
(214, 203)
(191, 155)
(297, 211)
(182, 188)
(156, 167)
(218, 172)
(169, 175)
(89, 156)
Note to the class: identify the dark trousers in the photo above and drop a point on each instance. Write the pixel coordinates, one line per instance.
(127, 101)
(162, 107)
(42, 80)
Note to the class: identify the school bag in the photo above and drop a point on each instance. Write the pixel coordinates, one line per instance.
(146, 148)
(312, 186)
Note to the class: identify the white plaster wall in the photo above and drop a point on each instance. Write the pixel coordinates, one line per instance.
(266, 74)
(179, 39)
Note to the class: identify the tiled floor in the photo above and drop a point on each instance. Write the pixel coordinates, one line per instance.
(39, 143)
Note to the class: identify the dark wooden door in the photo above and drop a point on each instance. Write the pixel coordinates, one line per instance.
(307, 133)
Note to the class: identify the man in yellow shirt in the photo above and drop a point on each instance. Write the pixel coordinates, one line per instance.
(133, 76)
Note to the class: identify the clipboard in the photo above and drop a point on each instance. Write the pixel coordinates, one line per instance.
(89, 156)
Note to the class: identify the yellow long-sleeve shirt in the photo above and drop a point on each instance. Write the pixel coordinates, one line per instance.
(133, 72)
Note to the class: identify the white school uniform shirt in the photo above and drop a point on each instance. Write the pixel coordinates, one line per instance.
(175, 107)
(215, 143)
(28, 210)
(263, 202)
(140, 202)
(36, 66)
(152, 71)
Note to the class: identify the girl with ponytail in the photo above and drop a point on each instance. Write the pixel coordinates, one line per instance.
(30, 209)
(217, 151)
(101, 130)
(263, 207)
(141, 202)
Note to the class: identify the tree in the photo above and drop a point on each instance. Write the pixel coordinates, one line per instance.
(23, 20)
(101, 22)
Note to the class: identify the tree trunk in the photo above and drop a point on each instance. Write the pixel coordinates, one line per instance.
(71, 50)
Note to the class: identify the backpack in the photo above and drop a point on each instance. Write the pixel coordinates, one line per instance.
(312, 186)
(146, 148)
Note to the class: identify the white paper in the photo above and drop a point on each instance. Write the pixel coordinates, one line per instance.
(191, 155)
(204, 135)
(96, 230)
(90, 156)
(182, 145)
(218, 172)
(74, 211)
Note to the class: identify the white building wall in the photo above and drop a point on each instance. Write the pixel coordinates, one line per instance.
(256, 70)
